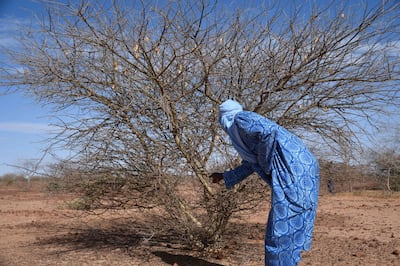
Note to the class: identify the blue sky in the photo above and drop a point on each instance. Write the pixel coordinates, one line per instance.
(24, 124)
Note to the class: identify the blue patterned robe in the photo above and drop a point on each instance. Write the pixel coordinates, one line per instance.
(283, 161)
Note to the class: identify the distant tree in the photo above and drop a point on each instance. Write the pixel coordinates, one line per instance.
(136, 86)
(10, 178)
(387, 166)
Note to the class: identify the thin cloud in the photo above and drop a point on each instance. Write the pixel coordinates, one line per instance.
(25, 127)
(10, 28)
(390, 48)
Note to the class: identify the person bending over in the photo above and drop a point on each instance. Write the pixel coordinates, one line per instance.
(283, 161)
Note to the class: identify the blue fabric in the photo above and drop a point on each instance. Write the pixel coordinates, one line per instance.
(285, 163)
(227, 112)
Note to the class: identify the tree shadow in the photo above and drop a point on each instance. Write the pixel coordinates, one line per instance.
(93, 239)
(144, 239)
(123, 236)
(134, 241)
(183, 260)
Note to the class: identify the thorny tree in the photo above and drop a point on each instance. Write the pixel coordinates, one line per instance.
(387, 164)
(136, 85)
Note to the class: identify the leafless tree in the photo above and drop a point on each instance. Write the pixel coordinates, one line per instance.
(136, 85)
(387, 164)
(386, 161)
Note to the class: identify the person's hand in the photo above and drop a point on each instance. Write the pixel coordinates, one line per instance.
(216, 177)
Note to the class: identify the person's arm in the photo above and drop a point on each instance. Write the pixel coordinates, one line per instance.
(234, 176)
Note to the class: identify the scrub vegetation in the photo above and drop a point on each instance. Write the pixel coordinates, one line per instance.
(134, 88)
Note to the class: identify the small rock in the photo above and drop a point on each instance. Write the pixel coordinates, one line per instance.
(358, 254)
(396, 252)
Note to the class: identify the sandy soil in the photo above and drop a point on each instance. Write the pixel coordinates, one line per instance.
(37, 229)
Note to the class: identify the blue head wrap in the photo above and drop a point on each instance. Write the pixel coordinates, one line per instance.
(227, 112)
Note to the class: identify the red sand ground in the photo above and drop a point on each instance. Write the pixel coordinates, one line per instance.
(36, 229)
